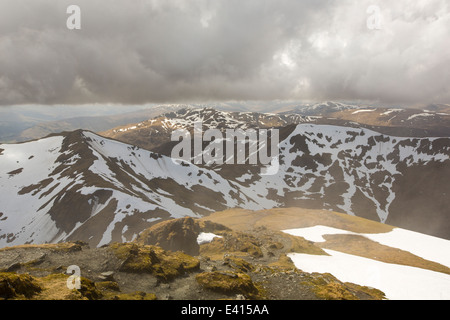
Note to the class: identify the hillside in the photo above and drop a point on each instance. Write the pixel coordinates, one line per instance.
(431, 120)
(202, 259)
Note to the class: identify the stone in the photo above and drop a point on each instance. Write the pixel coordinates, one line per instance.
(107, 276)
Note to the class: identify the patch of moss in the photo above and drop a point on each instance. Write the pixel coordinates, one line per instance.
(333, 291)
(209, 226)
(17, 286)
(64, 247)
(58, 280)
(228, 283)
(372, 293)
(239, 264)
(89, 290)
(55, 288)
(109, 289)
(283, 262)
(301, 245)
(165, 265)
(327, 287)
(108, 286)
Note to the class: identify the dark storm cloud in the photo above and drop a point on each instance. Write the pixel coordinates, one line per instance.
(168, 51)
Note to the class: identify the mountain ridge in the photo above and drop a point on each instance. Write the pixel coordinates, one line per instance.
(120, 189)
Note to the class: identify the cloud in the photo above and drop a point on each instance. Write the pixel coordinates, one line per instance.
(177, 51)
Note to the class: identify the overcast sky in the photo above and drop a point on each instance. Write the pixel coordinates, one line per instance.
(144, 51)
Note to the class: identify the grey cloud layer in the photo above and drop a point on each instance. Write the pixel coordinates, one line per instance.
(168, 51)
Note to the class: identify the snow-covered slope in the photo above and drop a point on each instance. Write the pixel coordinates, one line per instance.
(397, 281)
(81, 186)
(339, 167)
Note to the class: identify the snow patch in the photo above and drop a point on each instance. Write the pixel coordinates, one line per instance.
(315, 233)
(363, 110)
(398, 282)
(390, 111)
(206, 237)
(420, 115)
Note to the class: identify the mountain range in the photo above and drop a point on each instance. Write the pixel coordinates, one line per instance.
(109, 187)
(23, 123)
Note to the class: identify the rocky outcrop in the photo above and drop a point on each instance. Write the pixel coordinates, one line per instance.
(178, 234)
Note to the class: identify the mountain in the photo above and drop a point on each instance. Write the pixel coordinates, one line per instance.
(434, 120)
(321, 109)
(15, 119)
(397, 180)
(359, 168)
(156, 132)
(18, 129)
(79, 185)
(82, 186)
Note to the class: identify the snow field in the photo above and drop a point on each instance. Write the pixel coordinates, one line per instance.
(398, 282)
